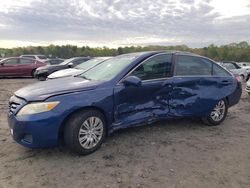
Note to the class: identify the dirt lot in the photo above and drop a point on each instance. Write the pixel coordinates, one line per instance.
(179, 153)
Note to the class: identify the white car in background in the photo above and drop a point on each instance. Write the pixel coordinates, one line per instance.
(245, 65)
(234, 68)
(37, 57)
(248, 87)
(79, 69)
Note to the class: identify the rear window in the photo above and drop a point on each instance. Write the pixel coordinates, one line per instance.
(42, 57)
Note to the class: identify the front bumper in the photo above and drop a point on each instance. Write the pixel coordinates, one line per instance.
(35, 131)
(39, 74)
(248, 88)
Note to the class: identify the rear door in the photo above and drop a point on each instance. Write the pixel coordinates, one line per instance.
(149, 101)
(26, 66)
(197, 87)
(9, 67)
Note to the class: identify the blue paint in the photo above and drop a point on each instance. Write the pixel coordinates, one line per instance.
(123, 106)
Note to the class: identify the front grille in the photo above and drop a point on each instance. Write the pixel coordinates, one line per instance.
(15, 104)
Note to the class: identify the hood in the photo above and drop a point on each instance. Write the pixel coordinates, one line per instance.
(65, 72)
(43, 90)
(52, 67)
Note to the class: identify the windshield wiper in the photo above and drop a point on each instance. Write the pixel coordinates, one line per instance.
(84, 77)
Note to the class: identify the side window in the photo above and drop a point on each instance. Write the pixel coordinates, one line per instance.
(219, 71)
(192, 66)
(154, 68)
(26, 61)
(11, 62)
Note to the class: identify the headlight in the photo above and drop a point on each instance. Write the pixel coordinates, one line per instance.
(42, 71)
(35, 108)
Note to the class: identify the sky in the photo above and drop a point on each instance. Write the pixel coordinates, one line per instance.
(113, 23)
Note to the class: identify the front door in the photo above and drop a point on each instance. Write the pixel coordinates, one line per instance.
(140, 104)
(9, 67)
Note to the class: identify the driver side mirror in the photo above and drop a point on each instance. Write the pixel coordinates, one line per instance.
(70, 65)
(132, 81)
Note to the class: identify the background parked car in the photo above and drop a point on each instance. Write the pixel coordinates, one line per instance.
(246, 66)
(78, 69)
(37, 57)
(55, 61)
(18, 66)
(235, 69)
(42, 72)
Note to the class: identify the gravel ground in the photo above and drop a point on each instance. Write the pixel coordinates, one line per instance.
(176, 153)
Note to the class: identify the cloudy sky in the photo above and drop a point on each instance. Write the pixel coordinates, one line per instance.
(114, 23)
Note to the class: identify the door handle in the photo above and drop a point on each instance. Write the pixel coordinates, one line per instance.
(168, 85)
(225, 82)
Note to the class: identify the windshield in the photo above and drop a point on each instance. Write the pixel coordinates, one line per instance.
(109, 68)
(90, 63)
(66, 61)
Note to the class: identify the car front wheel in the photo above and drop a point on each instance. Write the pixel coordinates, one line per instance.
(85, 131)
(218, 114)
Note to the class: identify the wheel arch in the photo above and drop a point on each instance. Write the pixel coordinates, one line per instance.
(63, 124)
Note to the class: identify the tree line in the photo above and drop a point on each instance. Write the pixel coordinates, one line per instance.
(239, 52)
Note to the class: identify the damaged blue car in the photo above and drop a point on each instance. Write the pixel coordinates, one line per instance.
(124, 91)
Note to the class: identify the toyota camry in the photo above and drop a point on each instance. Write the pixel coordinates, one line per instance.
(124, 91)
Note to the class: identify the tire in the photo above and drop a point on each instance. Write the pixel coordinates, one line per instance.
(248, 93)
(41, 78)
(213, 119)
(79, 137)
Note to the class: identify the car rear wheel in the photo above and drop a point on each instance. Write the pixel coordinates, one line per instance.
(218, 114)
(85, 131)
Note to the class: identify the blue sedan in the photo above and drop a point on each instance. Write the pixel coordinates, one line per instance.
(124, 91)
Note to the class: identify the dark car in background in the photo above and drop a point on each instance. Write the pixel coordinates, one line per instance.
(18, 66)
(124, 91)
(55, 61)
(43, 72)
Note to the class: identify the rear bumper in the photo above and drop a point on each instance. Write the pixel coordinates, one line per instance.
(234, 98)
(36, 131)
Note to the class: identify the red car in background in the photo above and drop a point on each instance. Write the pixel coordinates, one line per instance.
(18, 66)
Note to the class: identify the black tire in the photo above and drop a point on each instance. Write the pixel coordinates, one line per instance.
(73, 126)
(210, 121)
(41, 78)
